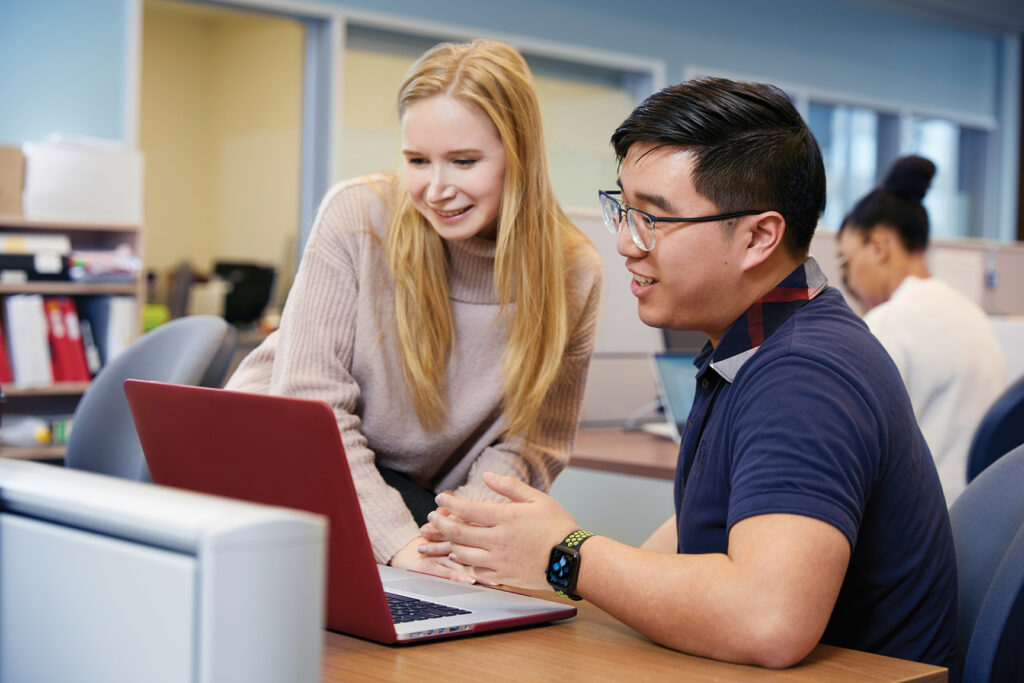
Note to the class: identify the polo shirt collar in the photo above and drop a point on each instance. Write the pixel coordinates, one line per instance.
(745, 336)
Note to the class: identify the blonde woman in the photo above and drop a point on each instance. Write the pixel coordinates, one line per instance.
(447, 314)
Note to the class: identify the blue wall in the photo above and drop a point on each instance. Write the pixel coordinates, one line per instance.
(69, 56)
(828, 44)
(63, 68)
(66, 61)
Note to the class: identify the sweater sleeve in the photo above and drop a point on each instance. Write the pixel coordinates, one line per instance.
(310, 355)
(538, 463)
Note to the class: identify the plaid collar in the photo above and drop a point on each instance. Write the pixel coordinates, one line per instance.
(746, 335)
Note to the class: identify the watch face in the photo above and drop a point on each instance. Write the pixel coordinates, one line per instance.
(560, 568)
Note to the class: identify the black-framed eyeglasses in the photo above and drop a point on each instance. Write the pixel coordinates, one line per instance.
(642, 224)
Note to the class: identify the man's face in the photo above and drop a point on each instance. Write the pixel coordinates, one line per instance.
(688, 281)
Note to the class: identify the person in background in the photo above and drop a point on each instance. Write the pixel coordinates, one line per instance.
(447, 315)
(943, 344)
(807, 506)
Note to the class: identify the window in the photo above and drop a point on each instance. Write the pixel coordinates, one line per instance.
(849, 138)
(955, 200)
(581, 104)
(859, 144)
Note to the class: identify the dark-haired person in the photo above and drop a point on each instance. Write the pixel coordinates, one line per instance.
(942, 342)
(807, 506)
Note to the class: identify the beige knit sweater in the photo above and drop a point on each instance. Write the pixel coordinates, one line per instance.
(337, 343)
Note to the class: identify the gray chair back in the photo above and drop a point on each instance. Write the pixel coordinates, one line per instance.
(194, 350)
(988, 530)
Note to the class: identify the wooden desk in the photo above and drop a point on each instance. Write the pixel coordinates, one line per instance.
(591, 646)
(616, 450)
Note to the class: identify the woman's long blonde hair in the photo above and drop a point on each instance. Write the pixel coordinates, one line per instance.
(529, 261)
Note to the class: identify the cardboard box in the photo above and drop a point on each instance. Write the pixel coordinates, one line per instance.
(12, 180)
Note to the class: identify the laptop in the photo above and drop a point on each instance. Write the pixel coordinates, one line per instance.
(287, 451)
(674, 373)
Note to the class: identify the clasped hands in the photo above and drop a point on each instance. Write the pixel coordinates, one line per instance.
(494, 543)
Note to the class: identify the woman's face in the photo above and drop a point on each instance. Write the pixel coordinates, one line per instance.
(862, 266)
(454, 166)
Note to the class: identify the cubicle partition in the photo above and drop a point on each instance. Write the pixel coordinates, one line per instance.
(104, 579)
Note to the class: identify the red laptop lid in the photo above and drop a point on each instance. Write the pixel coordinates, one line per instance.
(274, 450)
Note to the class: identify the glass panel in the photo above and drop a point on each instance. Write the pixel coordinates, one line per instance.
(939, 141)
(849, 141)
(580, 105)
(971, 184)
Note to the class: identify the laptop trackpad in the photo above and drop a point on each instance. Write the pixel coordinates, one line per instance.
(431, 589)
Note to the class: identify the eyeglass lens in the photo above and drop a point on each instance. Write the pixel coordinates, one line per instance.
(641, 230)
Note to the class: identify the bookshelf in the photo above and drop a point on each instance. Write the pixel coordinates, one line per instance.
(61, 398)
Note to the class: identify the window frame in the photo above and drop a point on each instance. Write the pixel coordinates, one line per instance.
(905, 113)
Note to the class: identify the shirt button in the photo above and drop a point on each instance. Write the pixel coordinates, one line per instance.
(704, 383)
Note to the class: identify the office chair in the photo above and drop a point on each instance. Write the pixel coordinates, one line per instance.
(999, 432)
(988, 530)
(195, 350)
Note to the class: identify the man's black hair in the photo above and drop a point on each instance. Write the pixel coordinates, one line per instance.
(751, 148)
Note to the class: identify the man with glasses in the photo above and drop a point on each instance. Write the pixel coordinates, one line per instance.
(807, 506)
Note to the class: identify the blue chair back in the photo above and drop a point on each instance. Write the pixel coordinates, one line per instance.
(988, 529)
(999, 432)
(195, 350)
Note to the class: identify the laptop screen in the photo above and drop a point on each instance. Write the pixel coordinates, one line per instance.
(675, 373)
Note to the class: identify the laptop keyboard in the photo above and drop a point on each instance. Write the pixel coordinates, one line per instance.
(404, 609)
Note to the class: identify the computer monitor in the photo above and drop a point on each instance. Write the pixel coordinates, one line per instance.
(107, 579)
(675, 375)
(251, 287)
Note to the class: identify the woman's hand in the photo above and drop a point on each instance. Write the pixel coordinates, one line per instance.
(429, 557)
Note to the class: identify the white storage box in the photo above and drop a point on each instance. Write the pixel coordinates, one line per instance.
(84, 182)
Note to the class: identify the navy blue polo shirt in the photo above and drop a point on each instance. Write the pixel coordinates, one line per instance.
(800, 410)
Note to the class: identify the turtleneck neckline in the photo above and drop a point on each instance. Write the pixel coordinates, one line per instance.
(472, 270)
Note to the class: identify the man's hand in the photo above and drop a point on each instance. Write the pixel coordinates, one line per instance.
(417, 557)
(505, 543)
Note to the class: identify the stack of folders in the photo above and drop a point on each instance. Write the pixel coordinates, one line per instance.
(110, 320)
(32, 257)
(50, 339)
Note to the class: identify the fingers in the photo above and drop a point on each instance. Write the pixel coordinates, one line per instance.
(431, 533)
(488, 513)
(445, 567)
(478, 558)
(510, 487)
(470, 511)
(442, 549)
(457, 530)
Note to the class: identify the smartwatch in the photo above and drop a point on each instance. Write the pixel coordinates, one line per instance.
(564, 565)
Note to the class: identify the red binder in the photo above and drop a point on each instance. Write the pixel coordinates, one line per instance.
(6, 375)
(66, 349)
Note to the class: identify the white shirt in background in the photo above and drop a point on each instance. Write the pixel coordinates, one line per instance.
(951, 362)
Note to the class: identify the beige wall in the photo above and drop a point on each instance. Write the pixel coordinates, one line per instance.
(174, 135)
(220, 127)
(370, 139)
(579, 118)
